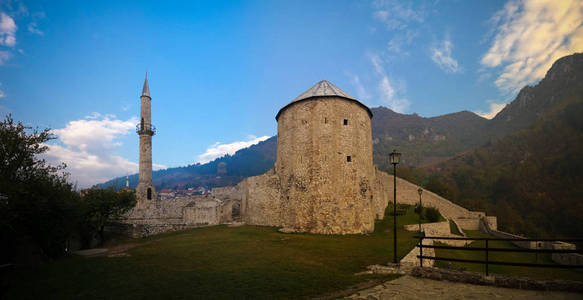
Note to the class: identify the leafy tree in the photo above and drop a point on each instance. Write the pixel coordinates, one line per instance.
(36, 200)
(101, 206)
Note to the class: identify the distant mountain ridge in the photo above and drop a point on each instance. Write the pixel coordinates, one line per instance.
(531, 178)
(423, 141)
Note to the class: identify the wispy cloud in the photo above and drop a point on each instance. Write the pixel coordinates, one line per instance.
(218, 150)
(7, 30)
(529, 37)
(441, 55)
(398, 18)
(33, 28)
(399, 43)
(495, 108)
(4, 57)
(361, 92)
(2, 94)
(87, 146)
(396, 15)
(389, 96)
(388, 93)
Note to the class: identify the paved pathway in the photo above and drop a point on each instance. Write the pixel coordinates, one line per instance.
(408, 287)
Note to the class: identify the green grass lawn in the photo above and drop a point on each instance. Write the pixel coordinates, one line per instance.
(219, 262)
(546, 273)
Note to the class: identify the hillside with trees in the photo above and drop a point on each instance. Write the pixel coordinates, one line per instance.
(531, 179)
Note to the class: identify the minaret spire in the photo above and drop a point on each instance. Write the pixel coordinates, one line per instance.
(146, 88)
(145, 190)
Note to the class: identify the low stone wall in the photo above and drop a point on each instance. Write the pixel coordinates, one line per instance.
(437, 229)
(407, 194)
(492, 222)
(144, 230)
(431, 229)
(498, 280)
(459, 228)
(572, 259)
(560, 258)
(411, 258)
(468, 224)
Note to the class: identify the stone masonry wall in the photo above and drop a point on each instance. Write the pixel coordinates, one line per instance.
(407, 194)
(261, 200)
(325, 167)
(202, 213)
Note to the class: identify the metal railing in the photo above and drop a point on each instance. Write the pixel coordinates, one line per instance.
(146, 128)
(488, 249)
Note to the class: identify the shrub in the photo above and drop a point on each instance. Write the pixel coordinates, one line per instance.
(431, 214)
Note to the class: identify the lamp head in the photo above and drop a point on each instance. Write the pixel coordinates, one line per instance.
(395, 157)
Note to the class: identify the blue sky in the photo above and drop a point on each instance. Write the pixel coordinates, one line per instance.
(220, 70)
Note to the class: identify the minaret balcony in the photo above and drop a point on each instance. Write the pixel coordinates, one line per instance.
(145, 128)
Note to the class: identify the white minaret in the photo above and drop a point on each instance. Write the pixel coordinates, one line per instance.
(145, 192)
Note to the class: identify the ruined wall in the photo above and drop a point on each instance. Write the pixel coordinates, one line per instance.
(226, 211)
(261, 200)
(205, 212)
(325, 167)
(227, 192)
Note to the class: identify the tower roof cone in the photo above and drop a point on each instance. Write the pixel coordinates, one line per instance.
(146, 88)
(324, 88)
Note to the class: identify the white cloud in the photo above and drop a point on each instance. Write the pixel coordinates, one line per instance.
(218, 150)
(361, 92)
(389, 96)
(442, 57)
(396, 15)
(495, 108)
(397, 44)
(88, 146)
(33, 28)
(7, 30)
(2, 94)
(530, 36)
(4, 57)
(95, 133)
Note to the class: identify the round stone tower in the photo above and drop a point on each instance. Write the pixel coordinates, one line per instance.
(324, 162)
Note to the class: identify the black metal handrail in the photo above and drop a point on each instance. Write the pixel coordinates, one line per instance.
(487, 249)
(146, 128)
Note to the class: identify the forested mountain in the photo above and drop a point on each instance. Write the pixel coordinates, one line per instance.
(525, 165)
(424, 140)
(532, 179)
(227, 170)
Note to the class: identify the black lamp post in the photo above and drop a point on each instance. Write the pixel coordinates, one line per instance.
(395, 157)
(420, 191)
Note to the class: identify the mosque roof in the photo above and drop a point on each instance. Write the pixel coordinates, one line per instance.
(324, 88)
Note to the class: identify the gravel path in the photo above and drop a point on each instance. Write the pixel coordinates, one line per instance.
(408, 287)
